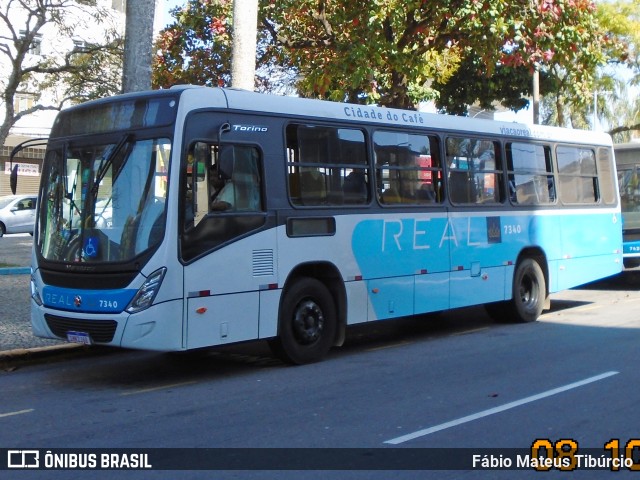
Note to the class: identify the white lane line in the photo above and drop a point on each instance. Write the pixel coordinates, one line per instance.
(502, 408)
(19, 412)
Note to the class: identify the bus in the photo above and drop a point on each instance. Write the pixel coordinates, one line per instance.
(194, 217)
(627, 164)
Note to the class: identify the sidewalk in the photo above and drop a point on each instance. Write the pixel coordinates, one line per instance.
(15, 315)
(16, 338)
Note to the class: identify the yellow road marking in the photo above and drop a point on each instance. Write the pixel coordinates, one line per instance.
(155, 389)
(473, 330)
(384, 347)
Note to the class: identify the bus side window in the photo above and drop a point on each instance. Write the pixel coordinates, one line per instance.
(235, 180)
(196, 194)
(408, 168)
(530, 171)
(326, 166)
(475, 171)
(578, 179)
(606, 175)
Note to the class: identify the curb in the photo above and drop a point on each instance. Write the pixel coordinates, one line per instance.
(15, 270)
(39, 352)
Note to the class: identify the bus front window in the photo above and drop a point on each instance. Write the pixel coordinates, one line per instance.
(103, 203)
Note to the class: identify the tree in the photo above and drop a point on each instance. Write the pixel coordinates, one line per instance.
(197, 48)
(98, 73)
(402, 52)
(569, 100)
(136, 73)
(618, 106)
(398, 52)
(25, 25)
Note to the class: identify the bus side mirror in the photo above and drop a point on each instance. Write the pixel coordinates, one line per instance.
(13, 179)
(226, 158)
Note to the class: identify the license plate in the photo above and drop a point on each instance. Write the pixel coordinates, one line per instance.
(79, 337)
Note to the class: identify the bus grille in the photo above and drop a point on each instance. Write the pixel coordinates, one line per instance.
(262, 263)
(99, 330)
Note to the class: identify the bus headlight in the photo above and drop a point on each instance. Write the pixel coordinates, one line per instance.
(144, 297)
(35, 293)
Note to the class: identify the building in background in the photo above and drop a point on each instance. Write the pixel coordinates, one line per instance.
(50, 42)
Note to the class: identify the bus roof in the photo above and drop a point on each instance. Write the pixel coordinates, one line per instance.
(196, 97)
(302, 107)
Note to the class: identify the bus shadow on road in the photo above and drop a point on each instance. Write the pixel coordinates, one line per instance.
(626, 280)
(559, 305)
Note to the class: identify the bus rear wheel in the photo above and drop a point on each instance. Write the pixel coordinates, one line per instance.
(529, 291)
(307, 323)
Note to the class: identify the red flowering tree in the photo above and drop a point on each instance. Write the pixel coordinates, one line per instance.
(395, 52)
(196, 48)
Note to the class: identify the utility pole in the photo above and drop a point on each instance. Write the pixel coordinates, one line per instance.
(138, 42)
(243, 54)
(536, 94)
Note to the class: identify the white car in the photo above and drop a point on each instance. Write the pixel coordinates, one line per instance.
(17, 214)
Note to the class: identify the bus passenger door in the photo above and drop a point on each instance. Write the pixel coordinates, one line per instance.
(223, 244)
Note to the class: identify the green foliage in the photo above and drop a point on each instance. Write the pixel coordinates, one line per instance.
(618, 102)
(470, 85)
(398, 52)
(96, 72)
(196, 48)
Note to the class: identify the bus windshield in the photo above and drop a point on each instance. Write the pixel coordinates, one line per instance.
(104, 201)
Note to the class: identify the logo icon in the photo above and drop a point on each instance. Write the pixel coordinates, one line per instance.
(23, 459)
(494, 232)
(77, 301)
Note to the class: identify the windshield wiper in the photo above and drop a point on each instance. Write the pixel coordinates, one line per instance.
(106, 163)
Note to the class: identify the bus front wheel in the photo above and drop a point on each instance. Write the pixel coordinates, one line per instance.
(307, 323)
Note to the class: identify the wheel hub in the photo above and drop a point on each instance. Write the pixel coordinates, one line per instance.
(308, 322)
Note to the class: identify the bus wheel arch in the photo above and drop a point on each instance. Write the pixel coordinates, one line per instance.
(311, 314)
(530, 285)
(530, 290)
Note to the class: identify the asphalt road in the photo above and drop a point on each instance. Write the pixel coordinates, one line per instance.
(456, 380)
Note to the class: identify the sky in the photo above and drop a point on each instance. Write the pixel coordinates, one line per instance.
(165, 6)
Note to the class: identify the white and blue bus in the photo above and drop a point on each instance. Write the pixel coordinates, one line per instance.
(628, 166)
(194, 217)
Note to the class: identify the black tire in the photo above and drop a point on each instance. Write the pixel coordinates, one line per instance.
(3, 230)
(529, 291)
(307, 323)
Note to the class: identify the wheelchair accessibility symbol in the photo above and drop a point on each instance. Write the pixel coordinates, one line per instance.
(90, 247)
